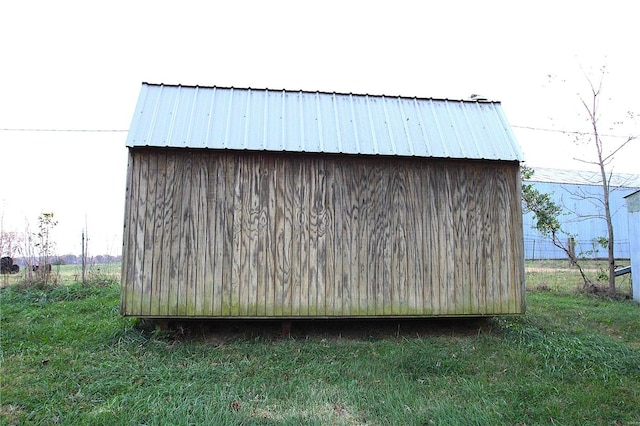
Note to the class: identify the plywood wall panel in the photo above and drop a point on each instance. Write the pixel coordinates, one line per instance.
(239, 234)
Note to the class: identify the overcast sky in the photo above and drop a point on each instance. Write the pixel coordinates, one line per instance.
(78, 65)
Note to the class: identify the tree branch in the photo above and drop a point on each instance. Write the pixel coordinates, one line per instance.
(629, 139)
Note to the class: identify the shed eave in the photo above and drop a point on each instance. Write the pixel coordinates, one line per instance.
(327, 152)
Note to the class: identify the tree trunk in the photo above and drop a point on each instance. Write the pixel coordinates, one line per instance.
(593, 116)
(610, 241)
(586, 282)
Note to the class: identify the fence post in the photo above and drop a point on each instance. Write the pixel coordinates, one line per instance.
(84, 256)
(533, 250)
(571, 243)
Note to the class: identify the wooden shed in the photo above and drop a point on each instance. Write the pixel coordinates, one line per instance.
(245, 203)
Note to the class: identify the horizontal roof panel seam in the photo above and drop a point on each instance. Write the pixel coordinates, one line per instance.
(613, 188)
(201, 86)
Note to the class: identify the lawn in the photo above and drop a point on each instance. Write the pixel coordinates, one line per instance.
(68, 357)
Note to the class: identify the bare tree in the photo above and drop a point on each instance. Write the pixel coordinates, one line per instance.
(604, 156)
(10, 242)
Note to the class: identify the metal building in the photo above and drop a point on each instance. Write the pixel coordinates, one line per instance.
(633, 210)
(252, 203)
(579, 193)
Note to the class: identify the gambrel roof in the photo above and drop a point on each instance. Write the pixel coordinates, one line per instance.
(319, 122)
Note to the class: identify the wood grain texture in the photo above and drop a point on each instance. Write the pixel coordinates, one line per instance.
(260, 235)
(217, 245)
(142, 283)
(127, 285)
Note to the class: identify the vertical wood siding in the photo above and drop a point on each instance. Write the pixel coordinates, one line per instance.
(240, 234)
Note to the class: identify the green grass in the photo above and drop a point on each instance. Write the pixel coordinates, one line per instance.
(65, 274)
(557, 275)
(68, 357)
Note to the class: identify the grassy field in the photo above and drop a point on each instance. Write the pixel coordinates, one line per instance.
(67, 274)
(69, 358)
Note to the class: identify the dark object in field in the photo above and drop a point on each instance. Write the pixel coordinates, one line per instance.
(623, 271)
(7, 266)
(47, 268)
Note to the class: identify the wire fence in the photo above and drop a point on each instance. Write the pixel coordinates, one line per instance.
(543, 248)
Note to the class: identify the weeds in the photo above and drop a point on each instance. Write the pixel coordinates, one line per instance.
(68, 357)
(50, 293)
(98, 278)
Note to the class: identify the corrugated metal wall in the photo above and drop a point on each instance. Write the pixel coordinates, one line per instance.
(257, 235)
(633, 215)
(582, 219)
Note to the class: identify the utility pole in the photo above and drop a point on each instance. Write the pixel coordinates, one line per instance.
(84, 257)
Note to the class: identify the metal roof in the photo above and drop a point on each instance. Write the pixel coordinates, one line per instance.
(583, 177)
(320, 122)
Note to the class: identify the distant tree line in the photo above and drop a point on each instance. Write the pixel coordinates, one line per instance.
(72, 259)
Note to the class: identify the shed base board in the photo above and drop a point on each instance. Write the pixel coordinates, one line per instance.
(340, 318)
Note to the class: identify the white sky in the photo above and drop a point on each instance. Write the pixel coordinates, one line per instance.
(80, 64)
